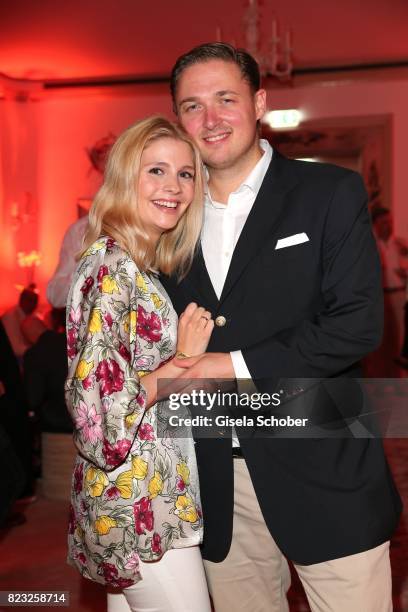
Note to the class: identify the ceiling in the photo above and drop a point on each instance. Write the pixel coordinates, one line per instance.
(69, 39)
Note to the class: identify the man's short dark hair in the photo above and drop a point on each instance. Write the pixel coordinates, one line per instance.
(28, 300)
(247, 65)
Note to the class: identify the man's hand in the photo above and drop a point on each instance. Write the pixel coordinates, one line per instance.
(209, 371)
(208, 365)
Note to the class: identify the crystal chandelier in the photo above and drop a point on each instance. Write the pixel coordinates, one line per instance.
(275, 55)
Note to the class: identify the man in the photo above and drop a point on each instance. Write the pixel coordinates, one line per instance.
(14, 317)
(289, 270)
(60, 282)
(394, 263)
(59, 285)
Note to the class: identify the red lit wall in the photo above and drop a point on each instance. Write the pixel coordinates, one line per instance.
(42, 153)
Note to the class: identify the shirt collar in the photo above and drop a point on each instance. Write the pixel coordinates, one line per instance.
(254, 179)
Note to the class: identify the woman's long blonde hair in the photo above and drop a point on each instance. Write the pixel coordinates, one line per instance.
(114, 211)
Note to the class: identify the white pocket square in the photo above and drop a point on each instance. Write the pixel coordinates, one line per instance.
(291, 240)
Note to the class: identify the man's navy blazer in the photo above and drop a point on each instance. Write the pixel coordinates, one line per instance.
(310, 310)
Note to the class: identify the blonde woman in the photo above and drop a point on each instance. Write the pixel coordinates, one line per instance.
(135, 520)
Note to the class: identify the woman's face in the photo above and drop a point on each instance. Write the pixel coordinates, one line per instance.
(166, 184)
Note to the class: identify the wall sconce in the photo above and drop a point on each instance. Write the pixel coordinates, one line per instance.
(22, 212)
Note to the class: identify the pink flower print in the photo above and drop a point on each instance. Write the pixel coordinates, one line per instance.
(89, 422)
(132, 562)
(81, 558)
(108, 571)
(78, 478)
(148, 325)
(143, 515)
(75, 315)
(144, 362)
(180, 484)
(140, 400)
(123, 351)
(88, 382)
(106, 403)
(87, 286)
(72, 522)
(156, 544)
(107, 320)
(115, 453)
(103, 271)
(109, 243)
(146, 432)
(123, 583)
(72, 336)
(110, 377)
(112, 493)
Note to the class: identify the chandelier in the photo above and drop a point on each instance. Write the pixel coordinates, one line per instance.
(274, 55)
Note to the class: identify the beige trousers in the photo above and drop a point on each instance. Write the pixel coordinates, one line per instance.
(255, 575)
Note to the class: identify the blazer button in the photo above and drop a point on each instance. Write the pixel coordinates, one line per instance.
(220, 321)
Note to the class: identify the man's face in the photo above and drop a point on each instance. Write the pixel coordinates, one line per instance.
(216, 106)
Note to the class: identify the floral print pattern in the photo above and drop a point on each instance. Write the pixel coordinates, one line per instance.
(134, 495)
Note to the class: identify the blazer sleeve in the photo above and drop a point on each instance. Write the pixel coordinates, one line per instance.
(349, 323)
(103, 392)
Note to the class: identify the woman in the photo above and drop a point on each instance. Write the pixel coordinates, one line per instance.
(135, 513)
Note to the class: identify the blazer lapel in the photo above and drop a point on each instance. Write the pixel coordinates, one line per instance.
(264, 215)
(199, 278)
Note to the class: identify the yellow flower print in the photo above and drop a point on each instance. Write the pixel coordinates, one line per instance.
(158, 303)
(142, 373)
(83, 368)
(124, 483)
(183, 472)
(130, 419)
(94, 248)
(129, 324)
(96, 481)
(140, 282)
(104, 524)
(95, 322)
(185, 509)
(139, 468)
(155, 485)
(109, 285)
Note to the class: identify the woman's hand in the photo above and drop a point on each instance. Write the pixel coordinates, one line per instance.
(194, 330)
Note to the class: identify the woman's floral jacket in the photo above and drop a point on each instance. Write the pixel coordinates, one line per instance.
(134, 495)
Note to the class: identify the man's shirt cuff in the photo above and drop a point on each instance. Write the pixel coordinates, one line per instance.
(239, 365)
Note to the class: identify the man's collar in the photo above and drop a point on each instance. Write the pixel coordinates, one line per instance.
(254, 179)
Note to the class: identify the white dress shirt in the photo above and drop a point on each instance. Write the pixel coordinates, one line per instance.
(223, 224)
(59, 284)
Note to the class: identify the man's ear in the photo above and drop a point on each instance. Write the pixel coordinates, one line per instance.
(260, 103)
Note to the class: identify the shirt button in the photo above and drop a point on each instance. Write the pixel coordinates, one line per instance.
(220, 321)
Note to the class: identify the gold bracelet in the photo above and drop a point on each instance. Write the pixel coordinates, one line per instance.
(181, 355)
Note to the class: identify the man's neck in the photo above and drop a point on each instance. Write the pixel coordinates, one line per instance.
(223, 181)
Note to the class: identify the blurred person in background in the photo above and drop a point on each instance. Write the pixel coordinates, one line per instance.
(58, 285)
(15, 445)
(45, 370)
(13, 318)
(383, 363)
